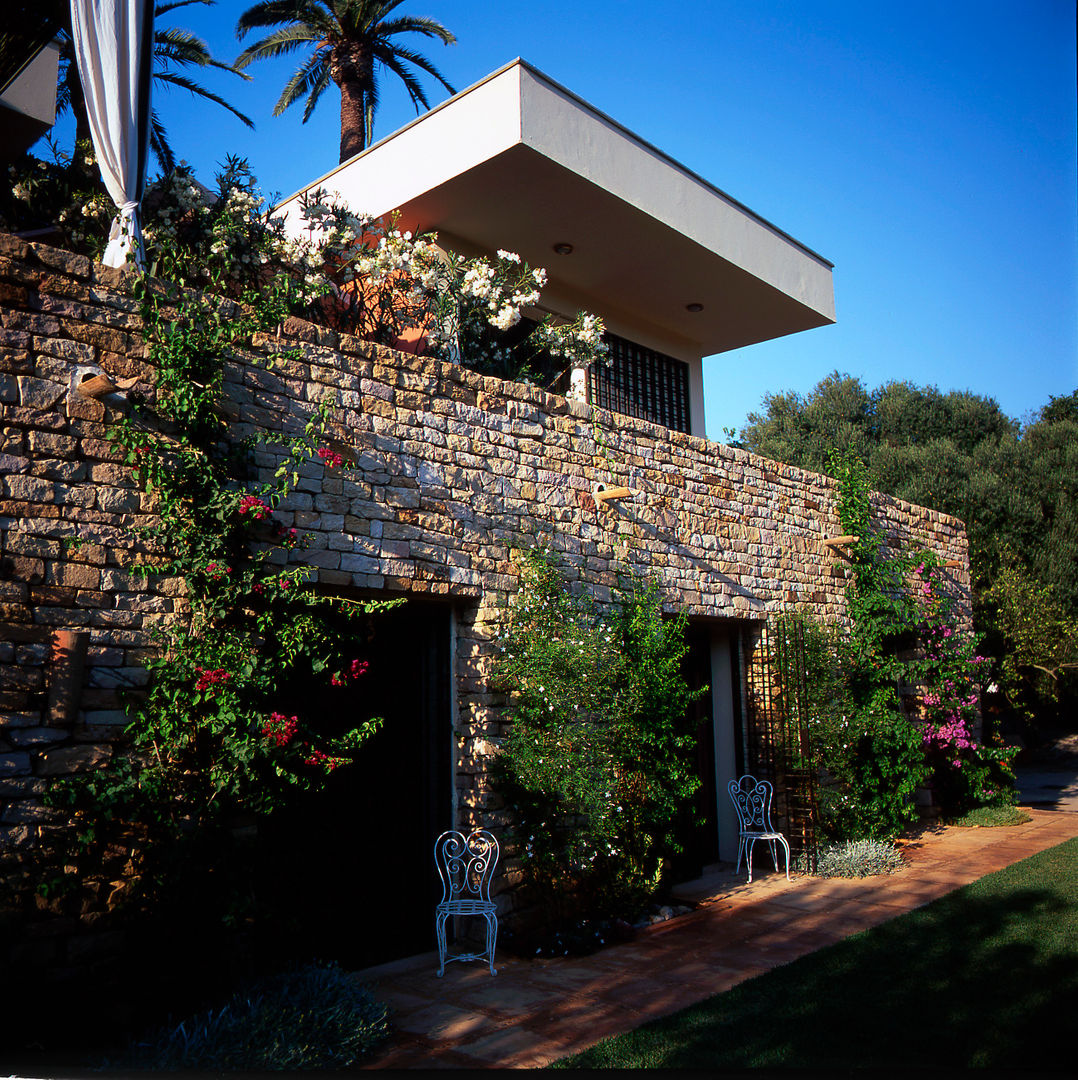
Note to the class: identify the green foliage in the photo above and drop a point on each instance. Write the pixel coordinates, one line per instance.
(317, 1017)
(598, 763)
(1039, 666)
(858, 859)
(878, 604)
(879, 772)
(1015, 488)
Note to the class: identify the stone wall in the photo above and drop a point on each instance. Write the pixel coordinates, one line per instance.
(447, 470)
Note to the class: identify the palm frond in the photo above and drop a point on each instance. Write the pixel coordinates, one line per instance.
(416, 93)
(346, 29)
(159, 144)
(402, 52)
(172, 5)
(275, 12)
(316, 93)
(175, 46)
(174, 78)
(370, 107)
(306, 78)
(280, 43)
(417, 24)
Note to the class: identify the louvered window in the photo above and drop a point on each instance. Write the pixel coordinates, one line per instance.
(642, 383)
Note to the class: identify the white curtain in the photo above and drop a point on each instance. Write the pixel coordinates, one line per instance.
(113, 42)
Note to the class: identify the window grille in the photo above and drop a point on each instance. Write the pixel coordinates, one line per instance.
(642, 383)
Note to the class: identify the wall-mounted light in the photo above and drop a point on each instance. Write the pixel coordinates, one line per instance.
(563, 249)
(694, 307)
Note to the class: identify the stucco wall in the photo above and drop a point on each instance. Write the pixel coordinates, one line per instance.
(450, 470)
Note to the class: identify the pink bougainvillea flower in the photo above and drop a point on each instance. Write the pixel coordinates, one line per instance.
(330, 458)
(251, 506)
(216, 571)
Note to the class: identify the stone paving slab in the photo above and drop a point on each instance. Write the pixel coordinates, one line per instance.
(535, 1011)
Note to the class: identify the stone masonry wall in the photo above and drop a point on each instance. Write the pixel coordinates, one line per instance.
(447, 470)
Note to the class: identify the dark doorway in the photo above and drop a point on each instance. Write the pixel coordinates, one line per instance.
(699, 833)
(350, 871)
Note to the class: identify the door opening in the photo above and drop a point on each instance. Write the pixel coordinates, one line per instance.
(349, 871)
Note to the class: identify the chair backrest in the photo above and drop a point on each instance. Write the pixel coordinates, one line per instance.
(466, 864)
(752, 799)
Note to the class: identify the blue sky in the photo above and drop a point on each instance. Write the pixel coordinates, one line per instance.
(927, 149)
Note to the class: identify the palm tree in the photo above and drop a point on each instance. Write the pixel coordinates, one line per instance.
(174, 49)
(351, 38)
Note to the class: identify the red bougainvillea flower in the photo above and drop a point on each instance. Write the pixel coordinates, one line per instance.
(253, 507)
(280, 729)
(354, 670)
(324, 761)
(208, 677)
(215, 571)
(330, 458)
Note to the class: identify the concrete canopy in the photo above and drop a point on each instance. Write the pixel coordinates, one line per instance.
(518, 162)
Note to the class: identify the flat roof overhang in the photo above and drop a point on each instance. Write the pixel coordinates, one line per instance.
(518, 162)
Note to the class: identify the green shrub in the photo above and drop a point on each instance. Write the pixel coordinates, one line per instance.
(858, 859)
(598, 765)
(316, 1017)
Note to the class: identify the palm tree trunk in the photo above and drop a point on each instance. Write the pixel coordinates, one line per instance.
(352, 118)
(352, 69)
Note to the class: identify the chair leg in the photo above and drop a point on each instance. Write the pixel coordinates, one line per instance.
(749, 844)
(782, 840)
(439, 930)
(492, 939)
(740, 853)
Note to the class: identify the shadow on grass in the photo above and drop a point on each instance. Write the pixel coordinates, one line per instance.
(986, 976)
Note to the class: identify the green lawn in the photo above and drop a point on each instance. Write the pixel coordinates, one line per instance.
(986, 976)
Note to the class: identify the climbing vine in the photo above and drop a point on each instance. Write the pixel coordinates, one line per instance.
(873, 751)
(219, 729)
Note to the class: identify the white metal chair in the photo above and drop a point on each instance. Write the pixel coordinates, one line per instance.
(466, 866)
(753, 804)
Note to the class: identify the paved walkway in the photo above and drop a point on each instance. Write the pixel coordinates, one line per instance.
(1048, 787)
(535, 1011)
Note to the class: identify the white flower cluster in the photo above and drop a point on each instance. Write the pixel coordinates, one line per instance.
(581, 340)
